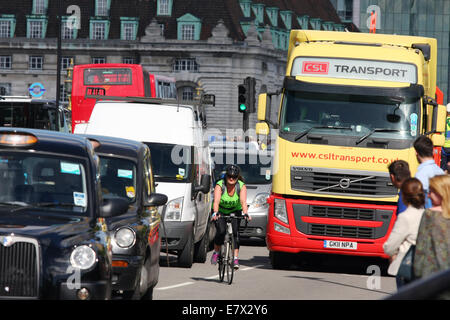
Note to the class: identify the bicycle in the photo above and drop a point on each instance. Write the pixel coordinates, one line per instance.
(226, 254)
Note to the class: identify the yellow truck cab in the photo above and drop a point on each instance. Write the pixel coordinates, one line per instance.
(351, 103)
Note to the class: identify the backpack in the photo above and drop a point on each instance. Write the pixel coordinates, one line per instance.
(224, 188)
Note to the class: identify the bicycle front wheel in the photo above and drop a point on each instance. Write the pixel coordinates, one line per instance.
(230, 261)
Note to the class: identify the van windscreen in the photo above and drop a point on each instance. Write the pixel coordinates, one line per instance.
(171, 163)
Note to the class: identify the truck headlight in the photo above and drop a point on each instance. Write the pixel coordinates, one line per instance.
(125, 237)
(280, 211)
(83, 257)
(174, 209)
(260, 201)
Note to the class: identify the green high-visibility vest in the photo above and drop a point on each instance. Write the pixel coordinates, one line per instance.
(229, 204)
(447, 134)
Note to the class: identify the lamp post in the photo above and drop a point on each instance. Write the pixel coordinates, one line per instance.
(58, 54)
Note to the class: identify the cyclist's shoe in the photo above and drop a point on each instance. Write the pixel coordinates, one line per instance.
(214, 258)
(236, 264)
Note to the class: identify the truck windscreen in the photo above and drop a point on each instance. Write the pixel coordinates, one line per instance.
(352, 116)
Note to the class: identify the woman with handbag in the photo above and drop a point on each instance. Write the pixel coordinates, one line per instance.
(433, 239)
(404, 233)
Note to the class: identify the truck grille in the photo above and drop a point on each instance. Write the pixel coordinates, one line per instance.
(343, 213)
(341, 231)
(19, 268)
(342, 182)
(336, 229)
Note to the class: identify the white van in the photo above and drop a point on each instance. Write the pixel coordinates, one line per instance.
(181, 164)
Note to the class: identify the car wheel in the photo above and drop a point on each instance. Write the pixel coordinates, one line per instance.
(201, 248)
(141, 291)
(186, 256)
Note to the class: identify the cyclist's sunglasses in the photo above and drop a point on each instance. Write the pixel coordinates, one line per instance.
(232, 177)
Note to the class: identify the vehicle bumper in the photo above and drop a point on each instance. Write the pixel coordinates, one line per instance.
(175, 234)
(255, 228)
(126, 278)
(302, 232)
(98, 290)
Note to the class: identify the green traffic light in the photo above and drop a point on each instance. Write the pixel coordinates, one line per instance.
(242, 107)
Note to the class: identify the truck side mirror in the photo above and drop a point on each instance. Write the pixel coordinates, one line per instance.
(262, 106)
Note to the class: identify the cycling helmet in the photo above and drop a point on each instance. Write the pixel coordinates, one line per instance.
(232, 171)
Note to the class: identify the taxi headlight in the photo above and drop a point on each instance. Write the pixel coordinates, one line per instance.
(83, 257)
(125, 237)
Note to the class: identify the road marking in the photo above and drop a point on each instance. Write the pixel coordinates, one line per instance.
(175, 286)
(208, 278)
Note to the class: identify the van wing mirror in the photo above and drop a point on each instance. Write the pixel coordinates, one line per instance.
(205, 184)
(156, 199)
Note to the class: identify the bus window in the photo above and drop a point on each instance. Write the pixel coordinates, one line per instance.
(116, 76)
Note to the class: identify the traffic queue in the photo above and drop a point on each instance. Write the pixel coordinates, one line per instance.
(86, 215)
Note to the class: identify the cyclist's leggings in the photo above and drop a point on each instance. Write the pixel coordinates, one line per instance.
(221, 230)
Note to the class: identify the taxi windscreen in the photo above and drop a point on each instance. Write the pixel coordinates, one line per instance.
(42, 182)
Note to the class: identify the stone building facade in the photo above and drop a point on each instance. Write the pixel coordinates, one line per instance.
(211, 44)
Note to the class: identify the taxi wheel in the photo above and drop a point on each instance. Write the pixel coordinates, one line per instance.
(141, 291)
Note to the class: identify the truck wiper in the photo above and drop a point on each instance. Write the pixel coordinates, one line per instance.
(302, 134)
(375, 130)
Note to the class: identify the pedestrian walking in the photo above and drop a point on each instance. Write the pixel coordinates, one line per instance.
(433, 238)
(399, 172)
(404, 233)
(427, 167)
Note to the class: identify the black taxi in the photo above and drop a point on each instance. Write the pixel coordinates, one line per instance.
(126, 172)
(54, 241)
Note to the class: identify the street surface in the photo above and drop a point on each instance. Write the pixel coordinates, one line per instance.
(321, 277)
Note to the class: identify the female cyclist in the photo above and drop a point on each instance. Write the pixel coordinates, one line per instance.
(230, 196)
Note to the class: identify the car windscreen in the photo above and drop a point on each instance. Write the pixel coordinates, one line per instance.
(118, 178)
(171, 163)
(28, 115)
(46, 182)
(255, 168)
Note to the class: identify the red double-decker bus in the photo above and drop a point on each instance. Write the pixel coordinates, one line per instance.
(117, 79)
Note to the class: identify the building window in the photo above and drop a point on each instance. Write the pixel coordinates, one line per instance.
(129, 60)
(5, 62)
(36, 28)
(164, 7)
(187, 32)
(102, 8)
(66, 62)
(7, 25)
(5, 89)
(40, 7)
(63, 94)
(187, 93)
(35, 63)
(189, 27)
(68, 29)
(185, 65)
(129, 28)
(98, 60)
(99, 29)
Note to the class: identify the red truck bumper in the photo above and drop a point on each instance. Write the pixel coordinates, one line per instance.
(330, 227)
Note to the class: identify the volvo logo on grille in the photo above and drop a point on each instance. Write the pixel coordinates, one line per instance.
(344, 183)
(7, 241)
